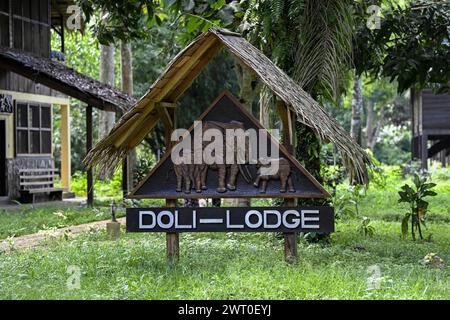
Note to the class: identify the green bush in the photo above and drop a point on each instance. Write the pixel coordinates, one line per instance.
(103, 188)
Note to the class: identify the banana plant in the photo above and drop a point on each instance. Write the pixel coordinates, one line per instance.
(414, 196)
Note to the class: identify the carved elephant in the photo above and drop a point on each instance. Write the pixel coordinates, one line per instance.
(232, 169)
(199, 174)
(190, 176)
(283, 174)
(183, 173)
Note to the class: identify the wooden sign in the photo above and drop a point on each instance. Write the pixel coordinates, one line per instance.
(238, 178)
(231, 219)
(171, 181)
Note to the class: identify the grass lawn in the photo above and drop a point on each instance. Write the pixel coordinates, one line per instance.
(233, 265)
(29, 219)
(230, 266)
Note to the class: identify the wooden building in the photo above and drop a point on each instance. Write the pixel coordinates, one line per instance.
(32, 86)
(430, 126)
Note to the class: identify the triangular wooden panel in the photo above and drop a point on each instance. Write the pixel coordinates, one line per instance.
(161, 181)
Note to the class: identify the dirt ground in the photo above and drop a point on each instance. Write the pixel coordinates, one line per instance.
(33, 240)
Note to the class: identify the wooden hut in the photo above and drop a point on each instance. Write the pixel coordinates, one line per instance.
(158, 103)
(32, 85)
(430, 126)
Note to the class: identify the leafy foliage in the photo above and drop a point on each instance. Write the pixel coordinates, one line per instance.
(133, 19)
(414, 196)
(412, 46)
(365, 228)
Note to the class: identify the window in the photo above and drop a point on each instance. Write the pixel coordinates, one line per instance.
(33, 128)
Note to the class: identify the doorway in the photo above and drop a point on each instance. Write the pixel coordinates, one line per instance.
(2, 158)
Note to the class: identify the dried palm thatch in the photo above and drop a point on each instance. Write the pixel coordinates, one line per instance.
(186, 66)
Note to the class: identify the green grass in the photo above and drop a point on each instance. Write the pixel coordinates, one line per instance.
(29, 219)
(230, 266)
(233, 265)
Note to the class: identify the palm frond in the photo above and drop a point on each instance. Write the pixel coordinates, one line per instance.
(325, 47)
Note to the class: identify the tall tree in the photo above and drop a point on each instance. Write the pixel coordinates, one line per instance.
(127, 86)
(106, 119)
(357, 106)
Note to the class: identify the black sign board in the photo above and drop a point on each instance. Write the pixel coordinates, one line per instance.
(231, 219)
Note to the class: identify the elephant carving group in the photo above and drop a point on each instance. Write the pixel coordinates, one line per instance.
(194, 176)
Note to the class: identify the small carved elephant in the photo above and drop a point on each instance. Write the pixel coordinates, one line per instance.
(283, 174)
(190, 176)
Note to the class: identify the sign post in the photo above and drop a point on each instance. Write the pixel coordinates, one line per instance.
(260, 167)
(172, 238)
(290, 240)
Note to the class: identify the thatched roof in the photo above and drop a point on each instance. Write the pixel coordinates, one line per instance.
(186, 66)
(59, 77)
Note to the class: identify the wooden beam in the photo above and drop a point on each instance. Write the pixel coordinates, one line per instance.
(424, 151)
(117, 137)
(36, 97)
(166, 104)
(186, 82)
(439, 146)
(172, 238)
(125, 177)
(286, 120)
(89, 143)
(166, 118)
(151, 121)
(187, 63)
(65, 148)
(290, 238)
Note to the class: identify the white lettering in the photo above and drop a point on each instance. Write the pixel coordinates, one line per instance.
(180, 226)
(232, 226)
(141, 218)
(163, 225)
(278, 221)
(251, 224)
(295, 221)
(305, 219)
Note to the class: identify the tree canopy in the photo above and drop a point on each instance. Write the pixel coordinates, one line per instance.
(412, 46)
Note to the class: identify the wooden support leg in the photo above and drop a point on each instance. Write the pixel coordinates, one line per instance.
(290, 240)
(172, 239)
(290, 247)
(65, 148)
(125, 177)
(173, 247)
(424, 151)
(89, 143)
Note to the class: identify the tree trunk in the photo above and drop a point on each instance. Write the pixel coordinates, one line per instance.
(106, 119)
(357, 102)
(127, 86)
(373, 125)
